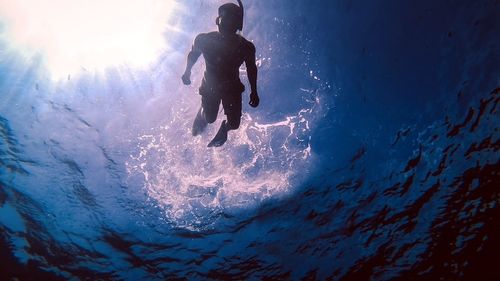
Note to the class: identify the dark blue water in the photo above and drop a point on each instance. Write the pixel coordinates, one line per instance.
(374, 154)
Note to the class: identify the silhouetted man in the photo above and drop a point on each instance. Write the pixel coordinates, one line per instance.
(224, 52)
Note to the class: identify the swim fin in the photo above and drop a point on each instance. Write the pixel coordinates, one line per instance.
(199, 123)
(221, 136)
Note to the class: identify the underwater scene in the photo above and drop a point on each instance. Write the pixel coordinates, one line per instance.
(373, 154)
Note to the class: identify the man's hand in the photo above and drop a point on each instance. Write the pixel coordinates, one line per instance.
(186, 78)
(254, 99)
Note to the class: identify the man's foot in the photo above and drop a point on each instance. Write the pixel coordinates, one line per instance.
(199, 123)
(221, 136)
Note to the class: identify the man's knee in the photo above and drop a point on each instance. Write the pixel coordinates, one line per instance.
(209, 112)
(233, 123)
(210, 118)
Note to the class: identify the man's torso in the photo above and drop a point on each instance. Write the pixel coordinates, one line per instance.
(224, 54)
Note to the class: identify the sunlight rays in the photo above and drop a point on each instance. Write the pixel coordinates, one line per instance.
(89, 35)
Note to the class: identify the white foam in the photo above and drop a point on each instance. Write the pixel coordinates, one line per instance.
(194, 184)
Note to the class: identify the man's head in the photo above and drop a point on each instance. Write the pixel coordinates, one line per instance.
(230, 18)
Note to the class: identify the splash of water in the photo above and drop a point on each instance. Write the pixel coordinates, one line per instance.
(194, 185)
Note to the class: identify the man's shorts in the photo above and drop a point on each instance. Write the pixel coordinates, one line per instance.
(229, 93)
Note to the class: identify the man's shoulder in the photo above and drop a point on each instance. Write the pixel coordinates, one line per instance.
(202, 37)
(248, 44)
(208, 35)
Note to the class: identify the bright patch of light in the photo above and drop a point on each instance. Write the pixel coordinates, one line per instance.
(75, 35)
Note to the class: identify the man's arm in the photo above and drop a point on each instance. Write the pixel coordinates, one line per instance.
(193, 56)
(252, 76)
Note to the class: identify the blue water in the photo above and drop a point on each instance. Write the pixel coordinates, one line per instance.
(374, 154)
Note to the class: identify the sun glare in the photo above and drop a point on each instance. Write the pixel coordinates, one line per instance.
(87, 34)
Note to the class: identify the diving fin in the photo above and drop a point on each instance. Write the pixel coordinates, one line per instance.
(221, 136)
(199, 123)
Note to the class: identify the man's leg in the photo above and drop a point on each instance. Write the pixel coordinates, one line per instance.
(207, 113)
(233, 114)
(232, 109)
(210, 107)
